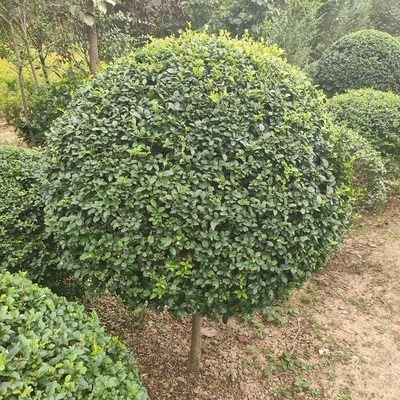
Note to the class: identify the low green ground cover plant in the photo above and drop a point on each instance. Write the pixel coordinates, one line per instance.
(51, 349)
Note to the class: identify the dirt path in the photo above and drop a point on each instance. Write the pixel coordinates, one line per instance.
(7, 135)
(360, 305)
(338, 338)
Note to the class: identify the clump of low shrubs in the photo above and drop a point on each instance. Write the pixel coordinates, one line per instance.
(363, 59)
(375, 115)
(51, 349)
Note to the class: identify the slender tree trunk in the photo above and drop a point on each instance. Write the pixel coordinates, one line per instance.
(21, 82)
(24, 33)
(195, 345)
(94, 60)
(44, 67)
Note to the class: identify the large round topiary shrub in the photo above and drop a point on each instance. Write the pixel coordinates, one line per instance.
(51, 349)
(198, 174)
(23, 237)
(368, 170)
(361, 59)
(376, 116)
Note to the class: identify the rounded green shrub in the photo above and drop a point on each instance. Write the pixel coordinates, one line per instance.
(23, 237)
(51, 349)
(25, 243)
(375, 115)
(361, 59)
(200, 174)
(368, 170)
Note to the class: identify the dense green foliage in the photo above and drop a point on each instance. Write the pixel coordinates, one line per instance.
(23, 237)
(385, 16)
(368, 170)
(339, 18)
(197, 174)
(46, 103)
(294, 29)
(376, 116)
(359, 60)
(51, 349)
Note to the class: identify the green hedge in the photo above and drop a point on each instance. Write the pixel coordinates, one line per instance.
(23, 237)
(199, 174)
(375, 115)
(369, 172)
(51, 349)
(361, 59)
(25, 242)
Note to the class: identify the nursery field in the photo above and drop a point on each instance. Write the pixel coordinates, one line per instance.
(338, 338)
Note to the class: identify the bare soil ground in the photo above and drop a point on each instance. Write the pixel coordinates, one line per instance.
(7, 134)
(338, 338)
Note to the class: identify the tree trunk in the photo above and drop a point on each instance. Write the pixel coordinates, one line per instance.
(94, 60)
(21, 82)
(23, 28)
(195, 345)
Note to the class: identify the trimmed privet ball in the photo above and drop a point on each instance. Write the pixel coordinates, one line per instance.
(51, 349)
(363, 59)
(199, 174)
(375, 115)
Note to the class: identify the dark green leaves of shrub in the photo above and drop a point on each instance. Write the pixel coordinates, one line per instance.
(360, 60)
(23, 238)
(198, 174)
(375, 115)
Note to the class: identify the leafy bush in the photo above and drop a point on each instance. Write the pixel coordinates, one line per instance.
(369, 171)
(294, 29)
(51, 349)
(361, 59)
(385, 16)
(197, 174)
(23, 240)
(376, 116)
(339, 18)
(46, 103)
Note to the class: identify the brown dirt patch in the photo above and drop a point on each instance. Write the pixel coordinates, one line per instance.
(338, 338)
(7, 134)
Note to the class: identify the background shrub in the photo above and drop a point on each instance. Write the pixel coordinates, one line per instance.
(369, 171)
(24, 242)
(198, 174)
(51, 349)
(46, 103)
(361, 59)
(23, 238)
(375, 115)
